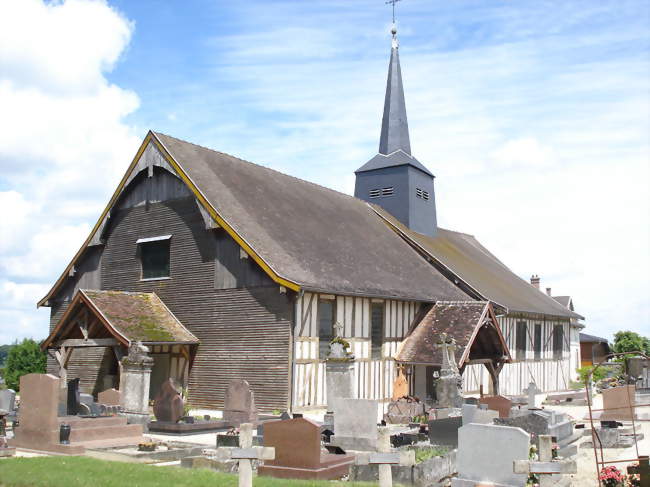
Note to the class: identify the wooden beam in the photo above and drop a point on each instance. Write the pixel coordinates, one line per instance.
(93, 342)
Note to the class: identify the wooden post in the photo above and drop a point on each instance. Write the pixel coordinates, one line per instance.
(384, 458)
(642, 470)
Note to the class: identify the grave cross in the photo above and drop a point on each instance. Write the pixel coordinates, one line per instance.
(531, 391)
(642, 470)
(545, 467)
(245, 453)
(384, 458)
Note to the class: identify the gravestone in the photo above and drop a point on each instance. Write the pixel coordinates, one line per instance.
(87, 405)
(7, 400)
(298, 452)
(531, 393)
(498, 403)
(240, 403)
(445, 431)
(616, 403)
(403, 411)
(73, 397)
(245, 455)
(486, 454)
(449, 386)
(355, 424)
(545, 468)
(385, 458)
(38, 417)
(168, 404)
(110, 397)
(473, 414)
(134, 384)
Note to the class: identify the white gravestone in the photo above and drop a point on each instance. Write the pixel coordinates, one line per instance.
(545, 467)
(486, 454)
(355, 424)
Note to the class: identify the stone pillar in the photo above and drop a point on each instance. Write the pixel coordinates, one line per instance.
(134, 384)
(339, 372)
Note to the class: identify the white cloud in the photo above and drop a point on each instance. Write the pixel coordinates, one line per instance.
(63, 142)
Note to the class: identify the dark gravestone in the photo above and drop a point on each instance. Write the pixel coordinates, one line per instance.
(530, 423)
(240, 404)
(285, 415)
(445, 431)
(298, 452)
(168, 404)
(73, 397)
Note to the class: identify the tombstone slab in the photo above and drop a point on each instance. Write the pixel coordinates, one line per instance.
(486, 454)
(298, 452)
(445, 431)
(168, 404)
(7, 400)
(403, 410)
(616, 403)
(110, 397)
(473, 414)
(498, 403)
(355, 424)
(240, 406)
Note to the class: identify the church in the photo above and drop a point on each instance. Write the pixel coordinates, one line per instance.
(226, 270)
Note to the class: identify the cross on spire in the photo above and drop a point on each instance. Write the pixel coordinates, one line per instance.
(392, 2)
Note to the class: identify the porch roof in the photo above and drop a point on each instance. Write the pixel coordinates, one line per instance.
(124, 316)
(472, 324)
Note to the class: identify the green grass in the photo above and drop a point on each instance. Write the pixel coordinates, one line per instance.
(90, 472)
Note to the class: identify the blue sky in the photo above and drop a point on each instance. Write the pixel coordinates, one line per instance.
(534, 117)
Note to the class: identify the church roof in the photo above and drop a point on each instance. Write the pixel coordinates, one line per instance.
(305, 236)
(397, 158)
(313, 236)
(467, 258)
(471, 324)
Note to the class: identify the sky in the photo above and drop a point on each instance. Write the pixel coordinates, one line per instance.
(533, 115)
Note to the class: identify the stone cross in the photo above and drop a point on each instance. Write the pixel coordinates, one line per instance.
(245, 453)
(448, 345)
(531, 391)
(545, 467)
(338, 329)
(642, 470)
(384, 458)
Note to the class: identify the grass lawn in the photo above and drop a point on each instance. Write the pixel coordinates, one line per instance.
(90, 472)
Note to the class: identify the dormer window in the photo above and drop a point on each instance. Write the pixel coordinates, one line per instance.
(155, 257)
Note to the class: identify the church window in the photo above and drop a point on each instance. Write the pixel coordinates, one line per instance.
(387, 191)
(537, 342)
(522, 339)
(558, 341)
(375, 193)
(155, 257)
(326, 316)
(376, 330)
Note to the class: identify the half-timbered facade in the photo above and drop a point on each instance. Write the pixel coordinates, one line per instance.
(258, 266)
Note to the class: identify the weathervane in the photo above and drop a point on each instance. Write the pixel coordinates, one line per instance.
(392, 2)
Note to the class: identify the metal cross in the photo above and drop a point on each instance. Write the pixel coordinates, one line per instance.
(392, 2)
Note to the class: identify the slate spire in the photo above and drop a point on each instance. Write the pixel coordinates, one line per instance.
(394, 125)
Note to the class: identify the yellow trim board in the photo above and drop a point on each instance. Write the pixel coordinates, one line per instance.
(151, 137)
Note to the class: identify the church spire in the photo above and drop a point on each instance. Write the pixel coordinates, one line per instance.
(394, 125)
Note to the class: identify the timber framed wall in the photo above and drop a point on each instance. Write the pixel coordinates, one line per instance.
(374, 377)
(548, 371)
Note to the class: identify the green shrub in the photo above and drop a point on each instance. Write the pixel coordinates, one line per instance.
(597, 376)
(24, 358)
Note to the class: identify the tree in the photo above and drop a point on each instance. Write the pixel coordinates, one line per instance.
(25, 357)
(629, 341)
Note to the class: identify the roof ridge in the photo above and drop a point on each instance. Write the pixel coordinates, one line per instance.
(258, 165)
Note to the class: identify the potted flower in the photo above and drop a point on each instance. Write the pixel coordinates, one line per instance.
(611, 476)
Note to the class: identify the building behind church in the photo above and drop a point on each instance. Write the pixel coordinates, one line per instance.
(229, 270)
